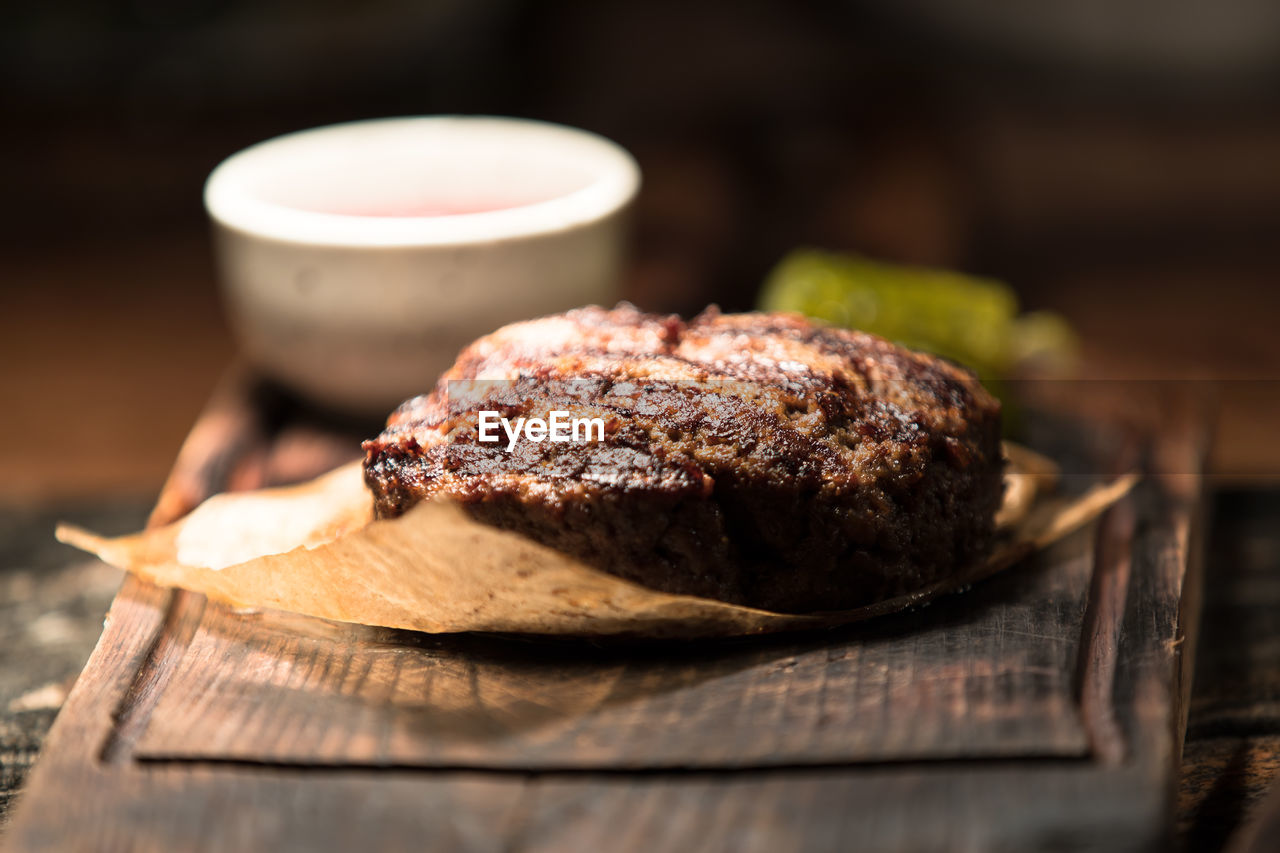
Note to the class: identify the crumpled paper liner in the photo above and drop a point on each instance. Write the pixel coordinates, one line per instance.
(315, 549)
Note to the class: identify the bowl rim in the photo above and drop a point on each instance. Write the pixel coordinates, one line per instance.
(230, 201)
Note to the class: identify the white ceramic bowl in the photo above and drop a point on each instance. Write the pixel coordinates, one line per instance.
(357, 259)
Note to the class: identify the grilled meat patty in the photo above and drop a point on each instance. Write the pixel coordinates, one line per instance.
(753, 458)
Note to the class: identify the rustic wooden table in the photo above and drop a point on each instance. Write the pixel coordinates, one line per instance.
(53, 604)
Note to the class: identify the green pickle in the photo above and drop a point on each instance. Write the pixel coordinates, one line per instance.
(971, 321)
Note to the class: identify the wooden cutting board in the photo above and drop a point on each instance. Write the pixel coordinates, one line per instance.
(1043, 708)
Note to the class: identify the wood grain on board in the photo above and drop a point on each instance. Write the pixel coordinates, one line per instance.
(1042, 708)
(987, 675)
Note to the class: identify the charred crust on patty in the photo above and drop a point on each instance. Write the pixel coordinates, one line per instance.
(759, 459)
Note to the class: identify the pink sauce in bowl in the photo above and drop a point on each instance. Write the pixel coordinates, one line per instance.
(413, 210)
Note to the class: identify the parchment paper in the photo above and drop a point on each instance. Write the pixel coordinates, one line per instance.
(315, 549)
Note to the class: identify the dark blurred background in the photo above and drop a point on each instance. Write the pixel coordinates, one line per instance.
(1115, 161)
